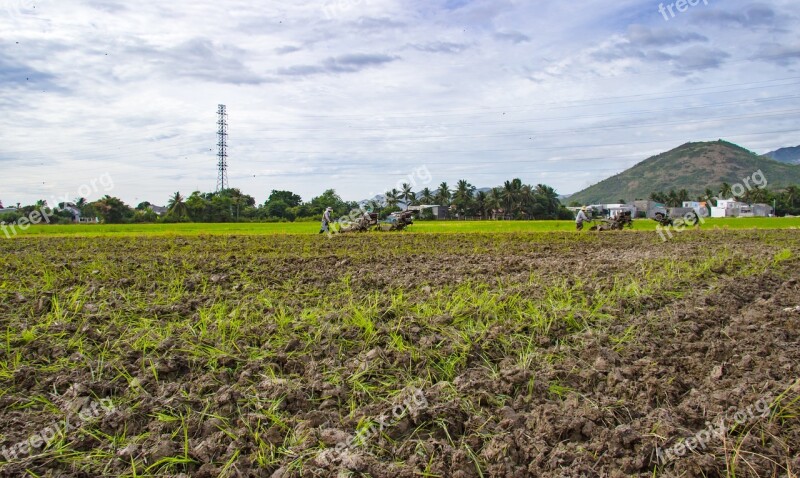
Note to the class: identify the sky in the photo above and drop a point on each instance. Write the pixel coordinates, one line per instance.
(120, 98)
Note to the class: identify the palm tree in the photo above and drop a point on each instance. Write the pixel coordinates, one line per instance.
(443, 195)
(407, 195)
(494, 199)
(481, 203)
(426, 196)
(550, 197)
(659, 197)
(392, 197)
(725, 191)
(177, 206)
(792, 194)
(463, 195)
(527, 199)
(756, 195)
(510, 195)
(672, 198)
(464, 189)
(372, 205)
(80, 203)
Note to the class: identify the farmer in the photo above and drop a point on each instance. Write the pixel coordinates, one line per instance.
(326, 220)
(581, 218)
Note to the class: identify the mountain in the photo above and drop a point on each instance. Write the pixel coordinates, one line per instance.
(692, 166)
(786, 155)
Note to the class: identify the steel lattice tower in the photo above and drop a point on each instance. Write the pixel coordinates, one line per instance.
(222, 145)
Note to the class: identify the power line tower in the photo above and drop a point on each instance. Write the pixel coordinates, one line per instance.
(222, 145)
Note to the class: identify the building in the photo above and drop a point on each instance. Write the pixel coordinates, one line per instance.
(700, 207)
(734, 208)
(763, 210)
(159, 210)
(439, 212)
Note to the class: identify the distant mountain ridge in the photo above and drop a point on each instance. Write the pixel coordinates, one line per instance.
(786, 155)
(692, 166)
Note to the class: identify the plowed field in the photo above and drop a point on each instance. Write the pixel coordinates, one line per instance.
(401, 355)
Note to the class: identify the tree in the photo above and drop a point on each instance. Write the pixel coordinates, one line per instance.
(177, 207)
(792, 194)
(289, 198)
(482, 204)
(757, 195)
(329, 198)
(494, 199)
(683, 196)
(511, 194)
(659, 197)
(81, 203)
(672, 199)
(426, 196)
(407, 195)
(392, 198)
(462, 198)
(278, 208)
(112, 210)
(725, 191)
(443, 194)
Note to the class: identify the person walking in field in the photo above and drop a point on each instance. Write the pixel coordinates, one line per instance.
(581, 218)
(326, 220)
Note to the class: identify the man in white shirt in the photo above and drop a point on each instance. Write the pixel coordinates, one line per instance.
(581, 218)
(326, 220)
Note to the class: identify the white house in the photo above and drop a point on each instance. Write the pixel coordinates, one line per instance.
(734, 208)
(699, 207)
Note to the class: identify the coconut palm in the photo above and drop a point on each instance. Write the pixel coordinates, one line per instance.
(392, 197)
(80, 203)
(792, 194)
(482, 203)
(426, 196)
(494, 199)
(463, 195)
(757, 195)
(407, 195)
(510, 194)
(527, 199)
(549, 198)
(177, 206)
(443, 195)
(725, 191)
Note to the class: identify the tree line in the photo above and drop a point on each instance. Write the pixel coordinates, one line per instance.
(512, 200)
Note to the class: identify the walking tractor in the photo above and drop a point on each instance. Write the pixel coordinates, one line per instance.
(397, 221)
(617, 222)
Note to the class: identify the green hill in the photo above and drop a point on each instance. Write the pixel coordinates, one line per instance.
(692, 166)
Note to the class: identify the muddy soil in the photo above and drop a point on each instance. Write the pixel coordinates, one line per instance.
(120, 347)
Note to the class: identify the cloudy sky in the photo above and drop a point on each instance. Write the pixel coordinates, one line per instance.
(356, 95)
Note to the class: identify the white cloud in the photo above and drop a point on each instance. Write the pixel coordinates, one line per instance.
(354, 94)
